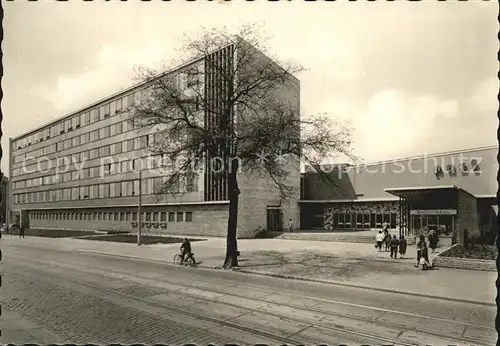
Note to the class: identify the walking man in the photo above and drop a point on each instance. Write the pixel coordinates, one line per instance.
(290, 225)
(394, 247)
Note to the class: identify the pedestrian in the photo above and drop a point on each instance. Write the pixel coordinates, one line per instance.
(290, 225)
(385, 226)
(433, 240)
(387, 240)
(394, 247)
(379, 238)
(421, 245)
(21, 232)
(402, 246)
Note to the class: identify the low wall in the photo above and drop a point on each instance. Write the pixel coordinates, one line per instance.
(440, 260)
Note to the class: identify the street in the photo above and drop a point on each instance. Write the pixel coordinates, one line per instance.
(60, 296)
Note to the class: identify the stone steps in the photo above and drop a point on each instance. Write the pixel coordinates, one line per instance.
(325, 237)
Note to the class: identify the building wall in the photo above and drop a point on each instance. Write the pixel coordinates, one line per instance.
(31, 191)
(467, 217)
(209, 220)
(258, 191)
(369, 181)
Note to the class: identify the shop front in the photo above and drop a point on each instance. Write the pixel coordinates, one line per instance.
(448, 210)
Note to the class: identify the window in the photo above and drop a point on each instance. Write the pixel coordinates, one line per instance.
(122, 216)
(148, 217)
(134, 216)
(189, 216)
(76, 141)
(94, 135)
(118, 105)
(118, 148)
(119, 128)
(104, 111)
(155, 217)
(129, 145)
(85, 118)
(163, 216)
(130, 100)
(140, 142)
(104, 151)
(94, 116)
(85, 138)
(126, 126)
(190, 183)
(104, 132)
(180, 216)
(76, 122)
(129, 217)
(171, 216)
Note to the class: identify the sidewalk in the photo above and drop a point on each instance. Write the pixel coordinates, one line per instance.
(339, 263)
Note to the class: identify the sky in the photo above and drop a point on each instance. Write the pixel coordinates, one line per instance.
(413, 78)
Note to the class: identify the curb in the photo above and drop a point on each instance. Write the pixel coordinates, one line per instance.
(338, 283)
(305, 279)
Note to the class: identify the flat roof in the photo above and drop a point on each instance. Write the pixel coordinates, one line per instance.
(414, 190)
(354, 166)
(366, 200)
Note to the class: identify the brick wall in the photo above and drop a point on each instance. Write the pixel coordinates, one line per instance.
(463, 263)
(257, 193)
(467, 217)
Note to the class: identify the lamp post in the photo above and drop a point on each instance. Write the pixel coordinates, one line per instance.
(139, 221)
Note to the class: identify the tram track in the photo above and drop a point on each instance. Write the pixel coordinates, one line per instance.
(188, 291)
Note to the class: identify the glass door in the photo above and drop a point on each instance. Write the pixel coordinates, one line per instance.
(366, 221)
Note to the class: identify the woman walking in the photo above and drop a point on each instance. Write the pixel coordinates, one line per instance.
(421, 245)
(402, 246)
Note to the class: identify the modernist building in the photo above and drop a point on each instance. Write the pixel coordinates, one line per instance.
(453, 192)
(99, 187)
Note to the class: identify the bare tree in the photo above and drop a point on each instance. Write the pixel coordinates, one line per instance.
(233, 103)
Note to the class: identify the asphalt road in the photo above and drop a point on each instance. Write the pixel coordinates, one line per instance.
(56, 296)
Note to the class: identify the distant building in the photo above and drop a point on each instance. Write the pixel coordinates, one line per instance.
(100, 189)
(453, 191)
(4, 185)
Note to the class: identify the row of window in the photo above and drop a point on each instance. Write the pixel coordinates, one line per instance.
(114, 216)
(121, 167)
(88, 137)
(363, 220)
(184, 80)
(149, 186)
(105, 151)
(86, 118)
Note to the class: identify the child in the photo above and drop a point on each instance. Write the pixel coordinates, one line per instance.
(423, 262)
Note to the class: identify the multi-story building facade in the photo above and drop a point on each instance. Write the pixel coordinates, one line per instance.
(81, 171)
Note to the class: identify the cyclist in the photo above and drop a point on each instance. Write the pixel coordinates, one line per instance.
(185, 249)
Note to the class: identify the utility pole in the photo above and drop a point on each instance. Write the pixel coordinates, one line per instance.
(139, 219)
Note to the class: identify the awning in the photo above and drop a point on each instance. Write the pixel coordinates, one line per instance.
(414, 191)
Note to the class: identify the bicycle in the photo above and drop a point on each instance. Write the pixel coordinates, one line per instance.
(189, 261)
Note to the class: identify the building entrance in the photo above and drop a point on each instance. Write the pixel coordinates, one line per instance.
(274, 219)
(442, 221)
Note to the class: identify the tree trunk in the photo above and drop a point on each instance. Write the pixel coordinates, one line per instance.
(232, 223)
